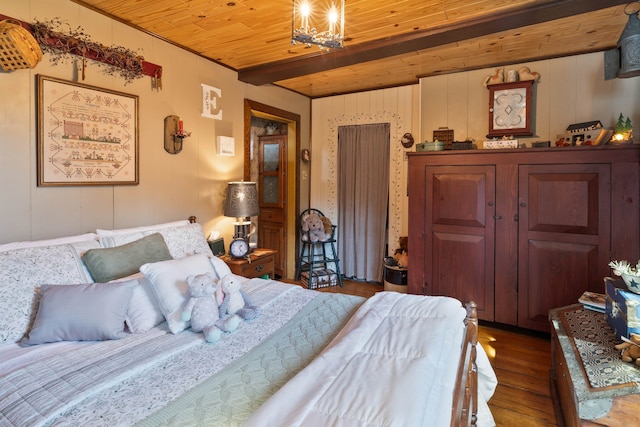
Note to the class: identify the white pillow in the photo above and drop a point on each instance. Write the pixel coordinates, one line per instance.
(87, 312)
(49, 242)
(169, 284)
(144, 312)
(186, 240)
(22, 271)
(141, 229)
(219, 266)
(182, 240)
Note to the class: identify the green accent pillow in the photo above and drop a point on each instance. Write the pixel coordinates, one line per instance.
(107, 264)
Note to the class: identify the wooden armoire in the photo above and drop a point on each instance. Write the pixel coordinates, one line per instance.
(521, 231)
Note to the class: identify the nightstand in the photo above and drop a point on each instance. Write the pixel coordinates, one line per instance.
(616, 399)
(259, 263)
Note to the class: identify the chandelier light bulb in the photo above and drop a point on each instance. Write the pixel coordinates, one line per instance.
(333, 18)
(305, 12)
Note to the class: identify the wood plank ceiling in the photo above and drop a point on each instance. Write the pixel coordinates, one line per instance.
(388, 43)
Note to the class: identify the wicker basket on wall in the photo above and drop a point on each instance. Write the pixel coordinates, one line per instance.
(18, 48)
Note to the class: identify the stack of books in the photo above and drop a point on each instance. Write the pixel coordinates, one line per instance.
(593, 301)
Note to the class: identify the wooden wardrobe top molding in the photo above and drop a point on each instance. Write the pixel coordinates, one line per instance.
(602, 150)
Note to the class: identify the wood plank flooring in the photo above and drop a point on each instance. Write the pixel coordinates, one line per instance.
(521, 360)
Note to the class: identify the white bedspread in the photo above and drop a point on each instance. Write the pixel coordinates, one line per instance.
(394, 364)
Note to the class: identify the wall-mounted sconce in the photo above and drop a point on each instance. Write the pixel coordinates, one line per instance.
(174, 134)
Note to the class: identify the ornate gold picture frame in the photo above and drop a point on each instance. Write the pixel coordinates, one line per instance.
(86, 135)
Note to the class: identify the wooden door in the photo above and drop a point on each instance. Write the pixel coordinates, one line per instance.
(459, 251)
(272, 188)
(564, 237)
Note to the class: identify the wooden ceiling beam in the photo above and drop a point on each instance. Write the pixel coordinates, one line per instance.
(419, 40)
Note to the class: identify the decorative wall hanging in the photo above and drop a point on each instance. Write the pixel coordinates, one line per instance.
(510, 106)
(86, 135)
(211, 102)
(62, 47)
(407, 140)
(59, 40)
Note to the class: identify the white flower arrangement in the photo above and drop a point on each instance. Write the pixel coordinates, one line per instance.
(630, 275)
(623, 267)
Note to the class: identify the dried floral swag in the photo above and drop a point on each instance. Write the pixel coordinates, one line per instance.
(64, 43)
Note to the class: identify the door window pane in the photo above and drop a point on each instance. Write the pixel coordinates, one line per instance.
(270, 189)
(271, 157)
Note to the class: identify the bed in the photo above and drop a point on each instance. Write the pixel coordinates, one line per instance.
(309, 358)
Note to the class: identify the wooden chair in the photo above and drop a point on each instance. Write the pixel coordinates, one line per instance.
(315, 257)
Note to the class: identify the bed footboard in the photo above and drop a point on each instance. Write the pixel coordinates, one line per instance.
(465, 397)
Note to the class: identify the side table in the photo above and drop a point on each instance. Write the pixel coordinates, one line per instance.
(260, 262)
(580, 403)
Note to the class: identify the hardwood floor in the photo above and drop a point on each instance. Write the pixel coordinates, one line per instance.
(521, 361)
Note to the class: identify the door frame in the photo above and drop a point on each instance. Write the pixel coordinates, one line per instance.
(254, 108)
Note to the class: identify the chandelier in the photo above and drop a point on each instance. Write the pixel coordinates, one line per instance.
(305, 18)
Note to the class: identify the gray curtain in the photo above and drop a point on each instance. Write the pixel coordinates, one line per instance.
(363, 195)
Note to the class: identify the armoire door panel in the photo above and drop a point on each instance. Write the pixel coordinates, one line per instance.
(564, 236)
(566, 202)
(560, 272)
(459, 250)
(460, 269)
(459, 198)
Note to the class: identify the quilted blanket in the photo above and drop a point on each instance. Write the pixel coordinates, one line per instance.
(124, 381)
(230, 397)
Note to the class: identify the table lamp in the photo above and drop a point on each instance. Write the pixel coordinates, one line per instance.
(241, 203)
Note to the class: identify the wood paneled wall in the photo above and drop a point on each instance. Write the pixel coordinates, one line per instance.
(398, 106)
(570, 90)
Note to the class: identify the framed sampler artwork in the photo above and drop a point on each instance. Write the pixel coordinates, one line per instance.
(510, 106)
(86, 135)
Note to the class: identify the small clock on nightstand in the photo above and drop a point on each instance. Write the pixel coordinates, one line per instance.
(239, 247)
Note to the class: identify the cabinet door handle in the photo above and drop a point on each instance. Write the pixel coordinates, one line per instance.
(516, 217)
(497, 217)
(259, 268)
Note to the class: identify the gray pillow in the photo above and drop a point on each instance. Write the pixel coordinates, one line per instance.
(107, 264)
(88, 312)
